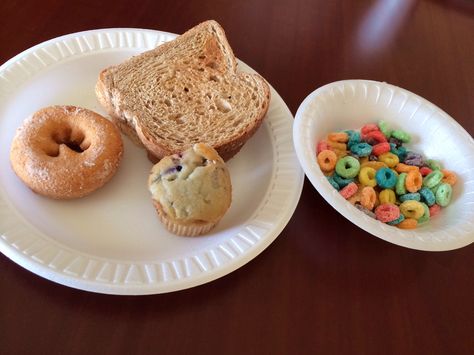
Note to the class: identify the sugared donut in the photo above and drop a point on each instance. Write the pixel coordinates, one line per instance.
(66, 152)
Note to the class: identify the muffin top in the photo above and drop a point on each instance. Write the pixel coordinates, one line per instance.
(193, 186)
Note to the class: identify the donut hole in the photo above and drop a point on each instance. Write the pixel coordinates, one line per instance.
(74, 139)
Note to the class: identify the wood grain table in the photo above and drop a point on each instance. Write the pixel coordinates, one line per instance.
(324, 286)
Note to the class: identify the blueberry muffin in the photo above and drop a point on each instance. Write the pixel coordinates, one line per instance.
(191, 191)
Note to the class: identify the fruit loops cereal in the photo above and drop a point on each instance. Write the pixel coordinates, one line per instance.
(372, 169)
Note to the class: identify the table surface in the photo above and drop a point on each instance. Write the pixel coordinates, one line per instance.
(324, 285)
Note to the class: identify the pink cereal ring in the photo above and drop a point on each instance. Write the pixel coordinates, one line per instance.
(322, 145)
(380, 148)
(349, 190)
(369, 127)
(387, 212)
(434, 210)
(375, 136)
(424, 170)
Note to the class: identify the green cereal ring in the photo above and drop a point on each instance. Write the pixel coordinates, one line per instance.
(401, 135)
(383, 126)
(427, 196)
(443, 194)
(347, 167)
(434, 165)
(412, 209)
(400, 188)
(433, 179)
(415, 196)
(426, 215)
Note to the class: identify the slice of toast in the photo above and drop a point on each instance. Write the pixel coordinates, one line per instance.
(183, 92)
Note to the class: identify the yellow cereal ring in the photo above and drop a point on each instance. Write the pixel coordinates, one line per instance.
(367, 176)
(449, 177)
(412, 209)
(390, 159)
(368, 197)
(413, 181)
(327, 160)
(387, 196)
(404, 168)
(374, 164)
(408, 223)
(341, 137)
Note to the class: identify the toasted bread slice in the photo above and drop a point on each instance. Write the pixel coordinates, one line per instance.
(183, 92)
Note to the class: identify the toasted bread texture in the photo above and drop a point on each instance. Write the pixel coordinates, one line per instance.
(183, 92)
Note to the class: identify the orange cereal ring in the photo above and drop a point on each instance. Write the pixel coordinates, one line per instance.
(408, 223)
(337, 145)
(363, 160)
(340, 153)
(449, 177)
(390, 159)
(374, 164)
(404, 168)
(327, 160)
(349, 190)
(413, 181)
(341, 137)
(368, 197)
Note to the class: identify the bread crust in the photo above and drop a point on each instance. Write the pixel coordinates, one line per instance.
(129, 121)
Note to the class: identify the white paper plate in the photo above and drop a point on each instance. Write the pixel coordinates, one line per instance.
(112, 241)
(350, 104)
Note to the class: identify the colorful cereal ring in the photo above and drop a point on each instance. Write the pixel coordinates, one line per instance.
(337, 145)
(374, 164)
(413, 158)
(387, 212)
(354, 138)
(322, 145)
(412, 209)
(381, 148)
(368, 197)
(327, 160)
(449, 177)
(400, 188)
(427, 196)
(426, 215)
(387, 196)
(397, 221)
(443, 194)
(342, 182)
(434, 210)
(374, 137)
(332, 182)
(408, 223)
(369, 127)
(404, 168)
(400, 152)
(383, 126)
(367, 176)
(433, 179)
(390, 159)
(349, 190)
(424, 170)
(361, 149)
(414, 196)
(433, 164)
(386, 178)
(341, 137)
(401, 135)
(347, 167)
(413, 181)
